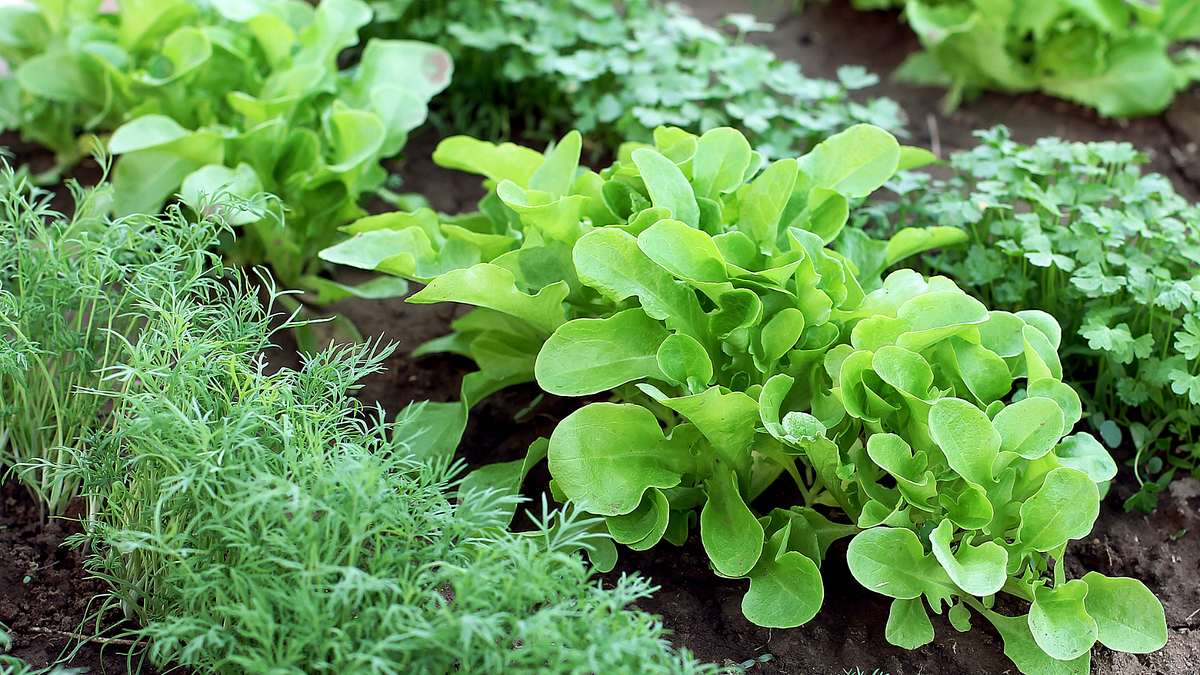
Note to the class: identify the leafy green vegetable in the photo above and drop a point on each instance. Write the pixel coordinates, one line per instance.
(1112, 55)
(739, 349)
(619, 73)
(1079, 232)
(245, 98)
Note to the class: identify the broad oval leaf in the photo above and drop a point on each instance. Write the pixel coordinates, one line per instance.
(855, 162)
(1128, 616)
(683, 251)
(1030, 427)
(1064, 508)
(722, 156)
(967, 437)
(1082, 451)
(147, 131)
(588, 356)
(785, 587)
(1059, 622)
(684, 360)
(892, 562)
(908, 624)
(732, 536)
(667, 185)
(979, 570)
(606, 455)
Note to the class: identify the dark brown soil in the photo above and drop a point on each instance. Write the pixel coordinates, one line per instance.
(700, 608)
(45, 596)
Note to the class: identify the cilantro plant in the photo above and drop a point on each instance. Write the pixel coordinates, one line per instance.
(697, 286)
(263, 523)
(1112, 55)
(67, 305)
(617, 74)
(241, 96)
(1077, 230)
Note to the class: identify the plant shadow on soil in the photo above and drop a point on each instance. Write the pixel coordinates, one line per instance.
(701, 609)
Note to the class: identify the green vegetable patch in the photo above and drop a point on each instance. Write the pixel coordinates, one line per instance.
(696, 284)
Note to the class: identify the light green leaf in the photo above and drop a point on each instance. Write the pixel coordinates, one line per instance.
(1024, 651)
(1030, 427)
(762, 205)
(683, 251)
(147, 131)
(727, 420)
(644, 526)
(684, 360)
(588, 356)
(557, 174)
(732, 537)
(605, 456)
(978, 570)
(487, 285)
(967, 437)
(722, 155)
(610, 261)
(507, 161)
(785, 587)
(908, 624)
(667, 185)
(891, 561)
(912, 157)
(855, 162)
(1128, 616)
(1058, 621)
(1082, 451)
(1064, 508)
(913, 240)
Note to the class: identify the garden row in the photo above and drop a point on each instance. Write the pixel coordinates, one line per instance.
(732, 290)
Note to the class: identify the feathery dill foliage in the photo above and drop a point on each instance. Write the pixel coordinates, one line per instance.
(1077, 230)
(69, 289)
(264, 523)
(616, 73)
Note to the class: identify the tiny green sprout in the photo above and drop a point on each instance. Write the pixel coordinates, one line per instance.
(1178, 535)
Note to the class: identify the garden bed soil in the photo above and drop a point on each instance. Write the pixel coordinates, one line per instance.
(702, 609)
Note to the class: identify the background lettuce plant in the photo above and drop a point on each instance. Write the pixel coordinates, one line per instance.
(256, 522)
(618, 73)
(739, 348)
(70, 294)
(1077, 230)
(242, 96)
(1112, 55)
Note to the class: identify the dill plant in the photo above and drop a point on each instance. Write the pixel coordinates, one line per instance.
(67, 303)
(256, 522)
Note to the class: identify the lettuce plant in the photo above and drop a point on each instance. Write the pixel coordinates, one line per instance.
(947, 443)
(739, 349)
(617, 74)
(263, 523)
(246, 97)
(67, 305)
(1112, 55)
(1078, 231)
